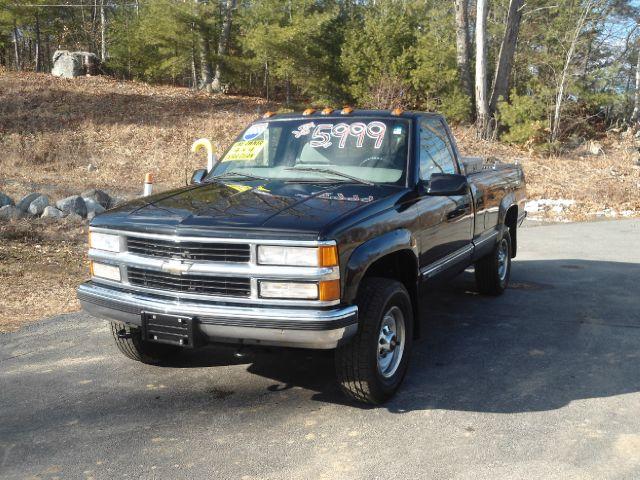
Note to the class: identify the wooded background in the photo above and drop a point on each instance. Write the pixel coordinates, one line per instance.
(535, 72)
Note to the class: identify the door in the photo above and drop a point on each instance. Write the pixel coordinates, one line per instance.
(446, 223)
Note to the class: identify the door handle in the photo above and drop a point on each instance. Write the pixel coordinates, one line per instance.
(458, 212)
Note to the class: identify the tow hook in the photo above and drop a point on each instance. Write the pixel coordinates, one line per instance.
(123, 334)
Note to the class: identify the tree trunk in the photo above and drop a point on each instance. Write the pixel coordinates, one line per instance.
(16, 49)
(555, 129)
(38, 47)
(635, 116)
(103, 28)
(223, 44)
(500, 86)
(462, 46)
(482, 102)
(206, 69)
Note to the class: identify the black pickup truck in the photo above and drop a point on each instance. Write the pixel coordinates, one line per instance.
(316, 230)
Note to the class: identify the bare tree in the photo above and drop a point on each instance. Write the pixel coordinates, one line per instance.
(562, 82)
(103, 32)
(16, 49)
(635, 116)
(482, 101)
(463, 46)
(38, 52)
(206, 69)
(500, 86)
(223, 44)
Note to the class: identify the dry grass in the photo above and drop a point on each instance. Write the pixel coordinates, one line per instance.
(52, 129)
(41, 265)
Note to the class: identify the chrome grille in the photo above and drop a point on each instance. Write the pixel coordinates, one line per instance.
(200, 251)
(204, 284)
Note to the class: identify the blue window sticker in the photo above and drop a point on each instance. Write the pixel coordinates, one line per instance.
(254, 131)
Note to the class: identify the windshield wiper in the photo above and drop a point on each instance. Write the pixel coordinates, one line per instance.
(238, 174)
(329, 171)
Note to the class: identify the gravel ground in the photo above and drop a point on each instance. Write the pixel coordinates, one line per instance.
(542, 382)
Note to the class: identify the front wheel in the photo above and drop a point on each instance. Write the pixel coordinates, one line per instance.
(371, 367)
(493, 271)
(130, 343)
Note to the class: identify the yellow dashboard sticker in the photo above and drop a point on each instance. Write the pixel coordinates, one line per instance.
(239, 188)
(244, 151)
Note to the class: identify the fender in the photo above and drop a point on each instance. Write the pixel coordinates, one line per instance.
(508, 201)
(370, 251)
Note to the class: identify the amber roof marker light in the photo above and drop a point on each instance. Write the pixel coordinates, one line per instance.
(346, 111)
(268, 115)
(396, 112)
(327, 111)
(308, 111)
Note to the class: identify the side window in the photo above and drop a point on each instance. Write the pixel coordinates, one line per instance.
(435, 150)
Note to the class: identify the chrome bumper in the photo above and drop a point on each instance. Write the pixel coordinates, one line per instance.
(291, 327)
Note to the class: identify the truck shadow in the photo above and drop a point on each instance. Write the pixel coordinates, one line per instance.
(566, 330)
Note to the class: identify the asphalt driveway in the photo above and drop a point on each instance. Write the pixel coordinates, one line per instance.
(543, 382)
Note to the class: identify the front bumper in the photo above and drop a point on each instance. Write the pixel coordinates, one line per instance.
(256, 325)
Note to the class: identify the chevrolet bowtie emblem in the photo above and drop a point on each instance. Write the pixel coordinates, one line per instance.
(176, 267)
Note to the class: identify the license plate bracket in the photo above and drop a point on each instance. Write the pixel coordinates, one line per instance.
(168, 329)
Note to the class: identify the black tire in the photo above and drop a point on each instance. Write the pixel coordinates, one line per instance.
(357, 365)
(129, 341)
(490, 278)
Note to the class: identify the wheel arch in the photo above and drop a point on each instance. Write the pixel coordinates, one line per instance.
(392, 255)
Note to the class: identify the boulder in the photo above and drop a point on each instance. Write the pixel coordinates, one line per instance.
(10, 212)
(93, 208)
(23, 205)
(99, 196)
(5, 200)
(73, 204)
(52, 212)
(68, 64)
(38, 205)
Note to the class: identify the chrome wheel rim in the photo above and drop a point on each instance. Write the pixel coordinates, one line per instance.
(391, 341)
(503, 259)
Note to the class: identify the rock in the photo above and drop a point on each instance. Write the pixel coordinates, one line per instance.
(38, 205)
(93, 207)
(23, 205)
(100, 196)
(52, 212)
(10, 212)
(68, 64)
(91, 167)
(5, 200)
(74, 204)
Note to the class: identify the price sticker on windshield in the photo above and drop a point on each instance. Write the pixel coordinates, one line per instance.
(323, 135)
(244, 151)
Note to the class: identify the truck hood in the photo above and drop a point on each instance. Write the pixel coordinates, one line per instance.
(273, 205)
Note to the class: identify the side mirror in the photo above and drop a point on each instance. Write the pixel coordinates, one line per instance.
(447, 185)
(198, 176)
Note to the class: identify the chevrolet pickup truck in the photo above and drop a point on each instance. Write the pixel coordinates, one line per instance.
(317, 230)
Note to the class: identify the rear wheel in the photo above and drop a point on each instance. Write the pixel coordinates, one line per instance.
(371, 367)
(493, 271)
(129, 341)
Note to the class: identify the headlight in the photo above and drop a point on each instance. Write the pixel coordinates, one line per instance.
(102, 270)
(325, 291)
(324, 256)
(104, 241)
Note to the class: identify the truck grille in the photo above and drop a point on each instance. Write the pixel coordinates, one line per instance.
(213, 252)
(222, 286)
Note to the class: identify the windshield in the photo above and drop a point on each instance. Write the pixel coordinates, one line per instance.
(336, 150)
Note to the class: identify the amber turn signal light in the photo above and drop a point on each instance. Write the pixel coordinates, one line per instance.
(329, 290)
(328, 256)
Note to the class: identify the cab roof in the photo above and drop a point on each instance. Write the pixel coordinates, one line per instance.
(337, 113)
